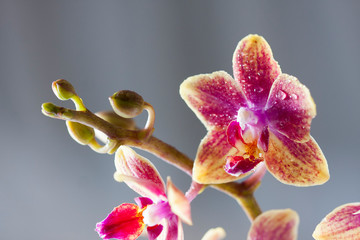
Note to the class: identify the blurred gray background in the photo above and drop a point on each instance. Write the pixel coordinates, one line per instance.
(53, 188)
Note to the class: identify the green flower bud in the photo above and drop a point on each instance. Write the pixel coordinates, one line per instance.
(80, 132)
(49, 109)
(127, 104)
(63, 89)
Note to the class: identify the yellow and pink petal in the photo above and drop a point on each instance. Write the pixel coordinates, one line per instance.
(210, 159)
(179, 204)
(139, 174)
(255, 69)
(215, 98)
(342, 223)
(275, 224)
(290, 108)
(299, 164)
(124, 222)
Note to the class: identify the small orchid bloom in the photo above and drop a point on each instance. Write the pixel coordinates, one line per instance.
(261, 115)
(342, 223)
(161, 212)
(275, 224)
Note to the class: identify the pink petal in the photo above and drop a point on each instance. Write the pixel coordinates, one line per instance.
(255, 69)
(129, 163)
(263, 142)
(142, 186)
(215, 98)
(275, 224)
(299, 164)
(179, 204)
(237, 165)
(155, 213)
(290, 108)
(342, 223)
(233, 133)
(124, 222)
(172, 229)
(143, 202)
(210, 159)
(214, 234)
(154, 231)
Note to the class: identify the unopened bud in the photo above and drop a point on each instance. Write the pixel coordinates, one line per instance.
(127, 104)
(80, 132)
(63, 89)
(49, 109)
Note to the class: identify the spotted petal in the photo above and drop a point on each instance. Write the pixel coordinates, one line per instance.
(275, 224)
(290, 108)
(143, 177)
(210, 159)
(255, 69)
(342, 223)
(215, 98)
(299, 164)
(124, 222)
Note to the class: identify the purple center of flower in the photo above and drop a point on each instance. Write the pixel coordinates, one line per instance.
(252, 121)
(249, 135)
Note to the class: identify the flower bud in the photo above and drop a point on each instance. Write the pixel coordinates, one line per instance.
(49, 109)
(63, 89)
(127, 104)
(80, 132)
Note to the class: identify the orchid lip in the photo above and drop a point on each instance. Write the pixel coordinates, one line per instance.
(237, 165)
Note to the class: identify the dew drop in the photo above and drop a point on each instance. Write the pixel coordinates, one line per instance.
(282, 95)
(294, 96)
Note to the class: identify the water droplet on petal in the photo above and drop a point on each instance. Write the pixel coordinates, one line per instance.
(282, 95)
(294, 96)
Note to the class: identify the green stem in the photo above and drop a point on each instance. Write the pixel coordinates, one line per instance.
(250, 205)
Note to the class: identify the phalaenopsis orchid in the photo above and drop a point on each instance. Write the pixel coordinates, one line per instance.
(257, 121)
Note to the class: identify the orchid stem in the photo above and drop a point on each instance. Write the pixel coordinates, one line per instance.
(250, 206)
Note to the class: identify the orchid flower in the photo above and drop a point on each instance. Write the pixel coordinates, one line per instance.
(275, 224)
(161, 212)
(342, 223)
(261, 115)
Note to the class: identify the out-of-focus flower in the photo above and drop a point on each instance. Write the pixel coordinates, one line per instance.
(342, 223)
(275, 224)
(214, 234)
(161, 212)
(261, 115)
